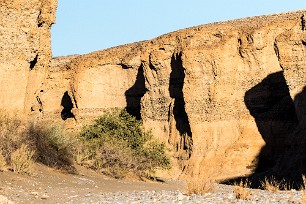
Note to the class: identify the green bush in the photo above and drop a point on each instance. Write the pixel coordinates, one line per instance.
(117, 144)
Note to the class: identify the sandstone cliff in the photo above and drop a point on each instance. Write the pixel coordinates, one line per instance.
(228, 98)
(25, 51)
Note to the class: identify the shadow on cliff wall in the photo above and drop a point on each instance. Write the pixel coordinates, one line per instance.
(134, 94)
(67, 107)
(177, 77)
(280, 123)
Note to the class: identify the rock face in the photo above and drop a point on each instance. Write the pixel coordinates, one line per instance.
(25, 51)
(228, 98)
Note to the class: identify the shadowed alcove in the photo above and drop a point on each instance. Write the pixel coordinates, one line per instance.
(134, 94)
(280, 121)
(67, 107)
(177, 77)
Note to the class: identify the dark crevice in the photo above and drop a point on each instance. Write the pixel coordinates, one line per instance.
(74, 98)
(176, 84)
(276, 50)
(40, 109)
(303, 22)
(240, 47)
(33, 62)
(239, 41)
(304, 42)
(250, 39)
(124, 66)
(67, 107)
(134, 94)
(39, 22)
(151, 66)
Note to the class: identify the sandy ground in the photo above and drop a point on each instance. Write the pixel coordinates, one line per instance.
(47, 185)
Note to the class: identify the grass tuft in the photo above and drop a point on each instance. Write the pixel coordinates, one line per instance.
(272, 184)
(303, 190)
(242, 191)
(199, 187)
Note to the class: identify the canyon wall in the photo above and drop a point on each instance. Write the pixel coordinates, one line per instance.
(228, 98)
(25, 52)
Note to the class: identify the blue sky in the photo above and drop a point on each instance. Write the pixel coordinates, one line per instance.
(84, 26)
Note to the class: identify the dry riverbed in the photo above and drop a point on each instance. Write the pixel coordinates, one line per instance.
(49, 186)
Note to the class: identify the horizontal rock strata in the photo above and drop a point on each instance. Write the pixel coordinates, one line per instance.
(228, 98)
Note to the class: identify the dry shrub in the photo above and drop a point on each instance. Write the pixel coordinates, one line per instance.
(304, 182)
(272, 184)
(111, 159)
(242, 191)
(2, 161)
(199, 187)
(15, 148)
(22, 145)
(11, 135)
(53, 147)
(22, 159)
(303, 190)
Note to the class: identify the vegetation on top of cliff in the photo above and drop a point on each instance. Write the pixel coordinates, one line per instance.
(116, 144)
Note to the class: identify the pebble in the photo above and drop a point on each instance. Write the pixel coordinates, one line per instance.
(34, 193)
(44, 196)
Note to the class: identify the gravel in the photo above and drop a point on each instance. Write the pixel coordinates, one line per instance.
(224, 194)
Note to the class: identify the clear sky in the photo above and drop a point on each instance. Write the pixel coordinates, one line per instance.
(83, 26)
